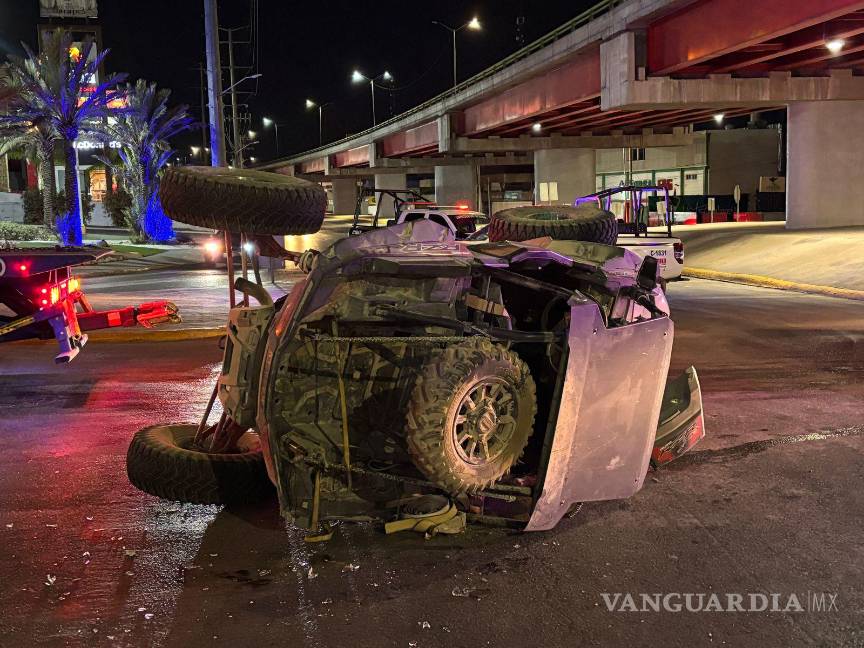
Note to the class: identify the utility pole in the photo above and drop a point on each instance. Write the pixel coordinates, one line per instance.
(204, 129)
(235, 121)
(214, 84)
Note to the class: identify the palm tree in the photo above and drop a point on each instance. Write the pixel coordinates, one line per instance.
(143, 131)
(37, 143)
(56, 93)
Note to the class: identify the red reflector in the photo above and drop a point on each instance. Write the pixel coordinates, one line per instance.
(114, 318)
(44, 302)
(23, 267)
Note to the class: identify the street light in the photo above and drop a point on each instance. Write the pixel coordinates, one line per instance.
(718, 118)
(473, 25)
(835, 45)
(310, 104)
(234, 85)
(267, 123)
(358, 77)
(251, 134)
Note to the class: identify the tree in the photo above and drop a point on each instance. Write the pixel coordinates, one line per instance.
(37, 143)
(56, 92)
(143, 131)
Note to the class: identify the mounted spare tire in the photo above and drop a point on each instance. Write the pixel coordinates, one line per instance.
(162, 461)
(242, 200)
(470, 415)
(586, 222)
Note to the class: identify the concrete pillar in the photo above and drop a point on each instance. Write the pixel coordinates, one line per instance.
(389, 181)
(344, 195)
(823, 161)
(456, 184)
(574, 170)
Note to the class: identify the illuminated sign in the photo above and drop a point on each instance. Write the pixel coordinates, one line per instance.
(87, 145)
(68, 9)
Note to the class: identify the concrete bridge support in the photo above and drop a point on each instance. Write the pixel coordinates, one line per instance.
(344, 195)
(389, 181)
(573, 171)
(824, 158)
(456, 184)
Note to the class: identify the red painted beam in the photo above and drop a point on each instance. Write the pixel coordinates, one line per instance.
(812, 38)
(710, 28)
(312, 166)
(411, 140)
(575, 81)
(352, 157)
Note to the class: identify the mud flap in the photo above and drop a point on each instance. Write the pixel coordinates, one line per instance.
(681, 424)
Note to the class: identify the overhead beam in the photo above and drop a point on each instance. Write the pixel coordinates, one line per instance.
(707, 29)
(648, 138)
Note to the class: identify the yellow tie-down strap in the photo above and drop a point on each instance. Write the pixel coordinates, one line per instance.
(431, 524)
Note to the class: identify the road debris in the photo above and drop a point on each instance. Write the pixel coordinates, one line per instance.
(50, 580)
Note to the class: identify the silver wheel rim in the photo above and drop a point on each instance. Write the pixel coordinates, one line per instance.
(485, 421)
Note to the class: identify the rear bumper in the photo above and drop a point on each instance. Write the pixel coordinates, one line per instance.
(682, 424)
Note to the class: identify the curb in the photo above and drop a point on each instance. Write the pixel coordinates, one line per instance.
(140, 335)
(762, 281)
(137, 334)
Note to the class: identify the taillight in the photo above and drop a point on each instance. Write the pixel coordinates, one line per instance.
(679, 251)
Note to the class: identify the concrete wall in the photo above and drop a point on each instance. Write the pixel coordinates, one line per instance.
(11, 208)
(389, 181)
(740, 157)
(456, 184)
(825, 155)
(344, 195)
(573, 169)
(669, 157)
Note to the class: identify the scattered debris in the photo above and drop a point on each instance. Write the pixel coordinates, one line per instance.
(131, 553)
(462, 591)
(424, 625)
(10, 525)
(89, 518)
(311, 573)
(50, 580)
(86, 554)
(51, 526)
(350, 567)
(149, 615)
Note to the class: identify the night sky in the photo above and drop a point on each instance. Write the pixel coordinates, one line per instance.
(306, 49)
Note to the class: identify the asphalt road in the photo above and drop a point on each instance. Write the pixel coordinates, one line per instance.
(88, 560)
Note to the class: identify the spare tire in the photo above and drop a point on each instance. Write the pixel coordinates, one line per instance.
(242, 200)
(163, 462)
(583, 223)
(470, 415)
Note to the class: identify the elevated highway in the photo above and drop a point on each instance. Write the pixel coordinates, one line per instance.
(633, 74)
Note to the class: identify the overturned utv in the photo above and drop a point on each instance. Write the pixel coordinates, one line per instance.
(514, 378)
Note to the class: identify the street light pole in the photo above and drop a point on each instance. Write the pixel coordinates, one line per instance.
(235, 120)
(453, 31)
(473, 24)
(357, 76)
(372, 85)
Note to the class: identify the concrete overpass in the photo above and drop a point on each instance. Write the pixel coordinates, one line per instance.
(635, 74)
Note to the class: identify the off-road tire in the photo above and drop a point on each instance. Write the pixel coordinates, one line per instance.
(583, 223)
(242, 200)
(436, 398)
(160, 461)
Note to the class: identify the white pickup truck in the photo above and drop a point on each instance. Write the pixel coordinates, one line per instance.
(636, 236)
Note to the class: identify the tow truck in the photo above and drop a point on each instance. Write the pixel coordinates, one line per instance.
(40, 297)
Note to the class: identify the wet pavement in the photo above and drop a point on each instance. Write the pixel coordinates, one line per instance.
(88, 560)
